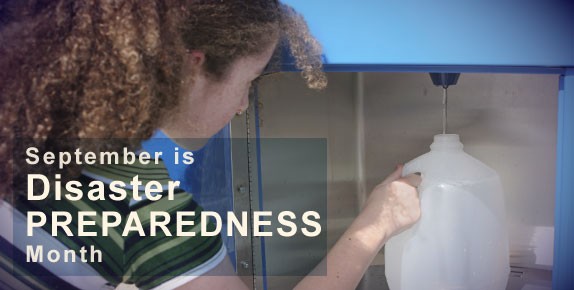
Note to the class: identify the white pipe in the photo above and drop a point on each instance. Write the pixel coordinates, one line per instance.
(360, 121)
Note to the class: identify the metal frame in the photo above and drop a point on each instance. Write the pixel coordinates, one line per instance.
(241, 198)
(249, 261)
(563, 268)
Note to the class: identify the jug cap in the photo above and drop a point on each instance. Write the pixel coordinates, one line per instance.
(446, 142)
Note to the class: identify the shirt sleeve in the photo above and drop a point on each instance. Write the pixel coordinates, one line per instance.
(194, 273)
(164, 261)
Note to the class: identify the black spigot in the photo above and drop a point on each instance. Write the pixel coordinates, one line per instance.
(444, 79)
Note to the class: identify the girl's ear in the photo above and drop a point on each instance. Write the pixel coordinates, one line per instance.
(196, 58)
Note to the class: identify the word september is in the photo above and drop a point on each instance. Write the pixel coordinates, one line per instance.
(126, 157)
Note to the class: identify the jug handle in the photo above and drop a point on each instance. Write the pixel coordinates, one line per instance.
(413, 167)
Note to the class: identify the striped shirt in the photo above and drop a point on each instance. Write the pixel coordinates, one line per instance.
(160, 261)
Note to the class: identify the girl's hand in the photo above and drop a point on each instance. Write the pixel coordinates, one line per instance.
(394, 204)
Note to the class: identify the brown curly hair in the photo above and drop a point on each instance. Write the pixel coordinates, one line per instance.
(73, 70)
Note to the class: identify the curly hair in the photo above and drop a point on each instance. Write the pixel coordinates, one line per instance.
(74, 70)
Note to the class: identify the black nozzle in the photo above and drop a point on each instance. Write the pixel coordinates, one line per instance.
(444, 79)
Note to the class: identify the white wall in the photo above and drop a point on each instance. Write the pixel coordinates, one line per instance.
(506, 121)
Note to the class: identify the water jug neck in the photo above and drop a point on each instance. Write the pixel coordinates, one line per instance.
(446, 142)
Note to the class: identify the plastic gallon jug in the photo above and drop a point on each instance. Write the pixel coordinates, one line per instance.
(461, 240)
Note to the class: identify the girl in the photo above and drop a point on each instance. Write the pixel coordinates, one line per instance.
(78, 70)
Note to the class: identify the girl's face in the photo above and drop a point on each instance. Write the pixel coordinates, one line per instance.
(209, 104)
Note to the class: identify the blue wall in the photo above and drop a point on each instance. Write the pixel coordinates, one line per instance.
(443, 32)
